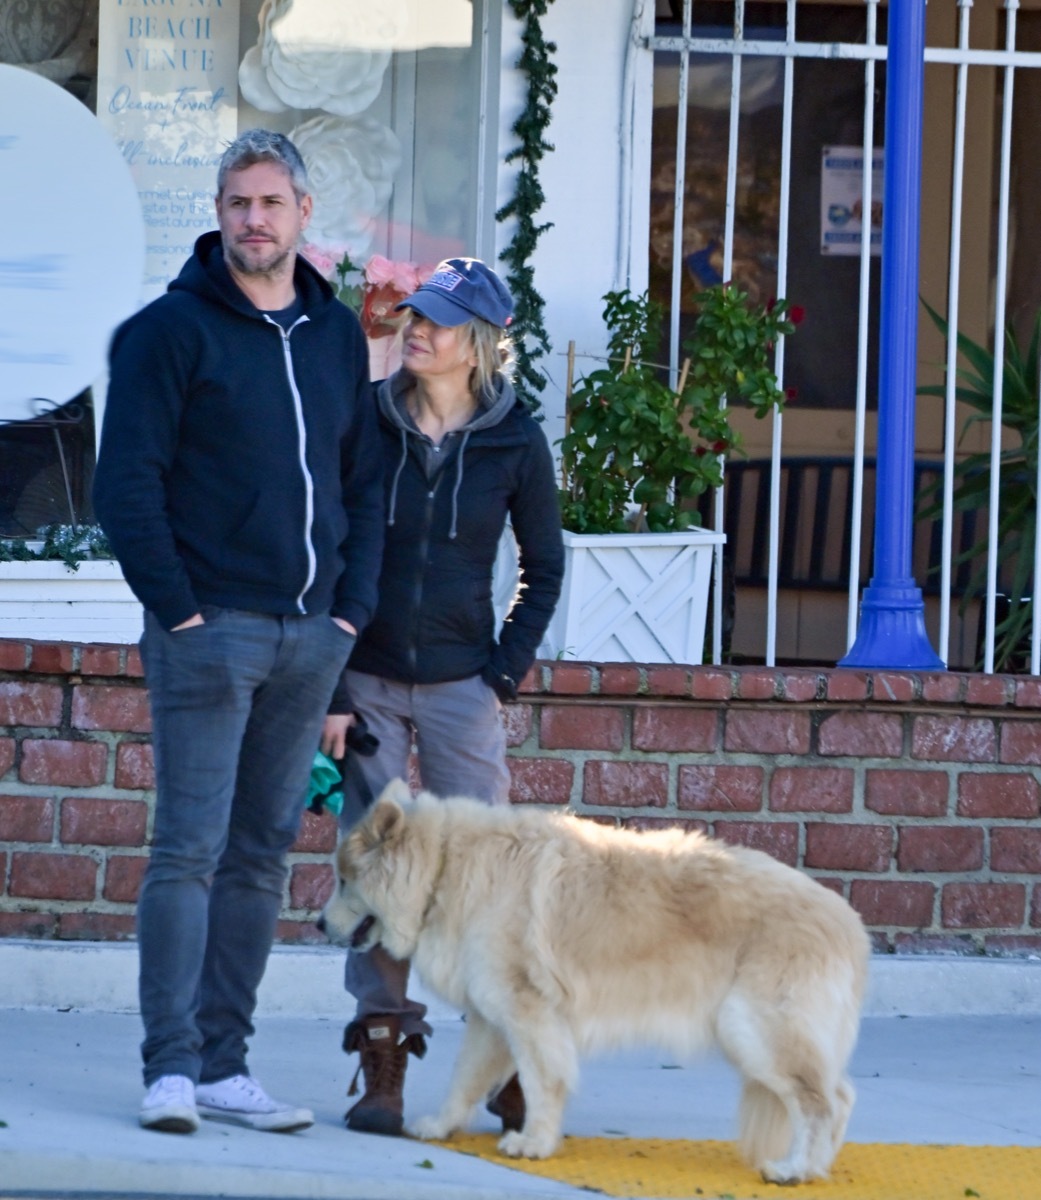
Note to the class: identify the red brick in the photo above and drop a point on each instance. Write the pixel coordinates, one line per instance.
(519, 720)
(676, 729)
(13, 655)
(96, 927)
(6, 754)
(570, 679)
(1028, 693)
(90, 822)
(811, 789)
(1024, 945)
(1016, 851)
(310, 885)
(893, 902)
(26, 819)
(581, 727)
(52, 876)
(300, 933)
(711, 683)
(982, 905)
(135, 669)
(52, 658)
(943, 687)
(620, 679)
(99, 706)
(764, 732)
(846, 684)
(779, 840)
(720, 789)
(67, 764)
(835, 847)
(123, 875)
(541, 780)
(907, 793)
(30, 704)
(317, 834)
(940, 848)
(893, 687)
(801, 686)
(101, 660)
(1035, 905)
(27, 924)
(668, 681)
(935, 943)
(757, 683)
(989, 690)
(626, 784)
(998, 795)
(861, 735)
(954, 739)
(1021, 742)
(656, 824)
(135, 766)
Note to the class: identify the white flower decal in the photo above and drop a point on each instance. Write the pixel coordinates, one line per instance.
(309, 64)
(351, 166)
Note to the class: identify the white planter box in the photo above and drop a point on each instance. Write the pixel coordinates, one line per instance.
(45, 601)
(633, 597)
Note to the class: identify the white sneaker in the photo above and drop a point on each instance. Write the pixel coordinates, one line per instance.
(240, 1100)
(169, 1105)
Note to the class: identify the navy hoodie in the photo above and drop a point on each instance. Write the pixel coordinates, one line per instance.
(240, 466)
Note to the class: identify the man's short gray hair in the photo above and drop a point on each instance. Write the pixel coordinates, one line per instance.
(260, 146)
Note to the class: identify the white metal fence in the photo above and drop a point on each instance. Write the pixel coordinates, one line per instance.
(964, 56)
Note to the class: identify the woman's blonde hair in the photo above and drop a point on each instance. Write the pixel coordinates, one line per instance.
(494, 352)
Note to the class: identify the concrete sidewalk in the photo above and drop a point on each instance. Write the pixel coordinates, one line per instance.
(70, 1085)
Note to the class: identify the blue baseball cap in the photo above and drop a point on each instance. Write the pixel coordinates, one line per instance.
(459, 290)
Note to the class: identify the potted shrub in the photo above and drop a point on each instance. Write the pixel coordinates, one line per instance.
(65, 586)
(1017, 519)
(636, 456)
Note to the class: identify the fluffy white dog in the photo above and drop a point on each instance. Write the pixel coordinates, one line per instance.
(557, 935)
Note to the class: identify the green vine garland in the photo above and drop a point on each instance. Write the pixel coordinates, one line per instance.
(531, 340)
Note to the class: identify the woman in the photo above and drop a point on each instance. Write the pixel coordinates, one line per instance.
(462, 455)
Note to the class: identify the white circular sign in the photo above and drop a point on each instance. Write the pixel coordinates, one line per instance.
(72, 244)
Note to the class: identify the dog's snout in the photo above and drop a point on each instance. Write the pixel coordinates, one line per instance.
(320, 924)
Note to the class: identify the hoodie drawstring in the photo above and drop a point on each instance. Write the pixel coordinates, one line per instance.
(458, 484)
(397, 475)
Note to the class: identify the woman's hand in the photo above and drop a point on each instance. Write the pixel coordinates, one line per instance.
(334, 734)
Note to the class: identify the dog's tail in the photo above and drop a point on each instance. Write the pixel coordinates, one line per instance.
(765, 1129)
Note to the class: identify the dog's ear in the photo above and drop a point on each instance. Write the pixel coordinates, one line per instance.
(398, 791)
(384, 823)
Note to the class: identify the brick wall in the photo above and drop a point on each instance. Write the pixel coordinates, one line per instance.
(917, 796)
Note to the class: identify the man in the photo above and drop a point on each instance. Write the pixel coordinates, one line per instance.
(239, 484)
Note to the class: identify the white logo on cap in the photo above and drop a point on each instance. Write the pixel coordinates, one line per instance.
(448, 280)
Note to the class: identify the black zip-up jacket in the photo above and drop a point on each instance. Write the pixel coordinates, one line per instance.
(240, 465)
(446, 510)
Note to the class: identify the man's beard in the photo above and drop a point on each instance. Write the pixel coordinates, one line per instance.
(258, 266)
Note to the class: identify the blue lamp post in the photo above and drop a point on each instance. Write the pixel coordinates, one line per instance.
(892, 632)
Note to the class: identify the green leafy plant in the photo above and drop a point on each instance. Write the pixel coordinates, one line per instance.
(1017, 519)
(71, 544)
(636, 453)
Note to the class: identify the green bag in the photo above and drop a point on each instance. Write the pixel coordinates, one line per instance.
(322, 789)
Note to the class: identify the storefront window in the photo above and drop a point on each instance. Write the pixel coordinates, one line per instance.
(381, 96)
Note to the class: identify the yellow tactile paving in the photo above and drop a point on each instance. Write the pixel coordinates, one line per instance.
(631, 1167)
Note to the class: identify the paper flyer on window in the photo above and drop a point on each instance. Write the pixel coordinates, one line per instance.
(842, 200)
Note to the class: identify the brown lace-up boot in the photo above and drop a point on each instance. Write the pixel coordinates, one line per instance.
(384, 1057)
(508, 1104)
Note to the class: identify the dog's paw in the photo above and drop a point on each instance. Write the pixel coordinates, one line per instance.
(432, 1129)
(522, 1145)
(782, 1173)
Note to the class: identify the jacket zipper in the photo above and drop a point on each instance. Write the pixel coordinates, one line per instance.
(421, 558)
(301, 431)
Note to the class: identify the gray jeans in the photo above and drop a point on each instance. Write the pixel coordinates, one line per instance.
(461, 749)
(237, 711)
